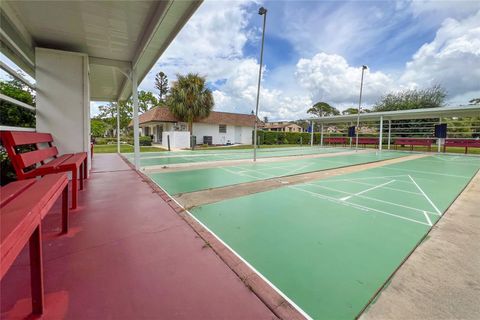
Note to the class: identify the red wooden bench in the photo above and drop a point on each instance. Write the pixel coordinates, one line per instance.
(336, 140)
(23, 205)
(414, 142)
(43, 160)
(466, 143)
(366, 141)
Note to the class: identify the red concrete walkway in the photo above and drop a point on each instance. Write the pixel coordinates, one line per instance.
(128, 256)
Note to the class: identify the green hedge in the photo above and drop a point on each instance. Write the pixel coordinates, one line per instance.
(144, 140)
(274, 137)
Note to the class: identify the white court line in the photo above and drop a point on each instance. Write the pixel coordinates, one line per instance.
(425, 195)
(366, 190)
(370, 178)
(428, 172)
(283, 295)
(389, 188)
(428, 218)
(239, 174)
(370, 198)
(298, 169)
(358, 206)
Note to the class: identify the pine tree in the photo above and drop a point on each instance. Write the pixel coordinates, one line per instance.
(161, 83)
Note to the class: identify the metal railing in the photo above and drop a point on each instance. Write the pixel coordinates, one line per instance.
(18, 76)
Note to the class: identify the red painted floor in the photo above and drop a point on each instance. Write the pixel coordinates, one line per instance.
(128, 255)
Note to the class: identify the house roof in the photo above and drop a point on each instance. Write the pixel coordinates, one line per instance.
(276, 126)
(163, 114)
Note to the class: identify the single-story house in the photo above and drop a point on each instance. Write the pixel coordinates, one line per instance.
(219, 128)
(282, 127)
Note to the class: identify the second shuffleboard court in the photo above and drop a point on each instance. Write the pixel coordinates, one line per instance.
(330, 244)
(201, 179)
(178, 157)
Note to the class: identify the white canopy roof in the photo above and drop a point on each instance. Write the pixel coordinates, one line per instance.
(117, 36)
(424, 113)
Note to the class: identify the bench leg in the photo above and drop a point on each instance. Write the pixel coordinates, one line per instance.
(36, 270)
(81, 175)
(65, 210)
(85, 168)
(74, 188)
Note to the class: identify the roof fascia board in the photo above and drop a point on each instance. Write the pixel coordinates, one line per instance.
(423, 113)
(153, 28)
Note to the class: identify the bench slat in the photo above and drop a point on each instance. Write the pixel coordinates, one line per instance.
(33, 157)
(20, 138)
(39, 194)
(11, 190)
(75, 160)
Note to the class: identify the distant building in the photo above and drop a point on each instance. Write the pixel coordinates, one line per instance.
(282, 126)
(219, 128)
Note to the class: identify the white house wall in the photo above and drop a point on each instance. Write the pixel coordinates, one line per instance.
(205, 129)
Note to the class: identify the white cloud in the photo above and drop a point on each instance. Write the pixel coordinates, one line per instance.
(210, 44)
(452, 59)
(213, 41)
(328, 77)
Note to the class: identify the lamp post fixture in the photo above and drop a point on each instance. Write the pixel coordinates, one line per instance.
(364, 67)
(263, 12)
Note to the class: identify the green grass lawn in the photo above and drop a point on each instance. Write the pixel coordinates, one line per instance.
(124, 148)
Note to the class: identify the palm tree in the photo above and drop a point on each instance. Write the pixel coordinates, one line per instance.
(189, 99)
(321, 109)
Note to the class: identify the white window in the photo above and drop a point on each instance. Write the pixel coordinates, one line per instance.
(222, 128)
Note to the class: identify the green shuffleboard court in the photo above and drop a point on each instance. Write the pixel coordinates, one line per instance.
(201, 179)
(187, 156)
(330, 244)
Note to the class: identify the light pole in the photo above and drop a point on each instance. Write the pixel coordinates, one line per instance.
(364, 67)
(263, 12)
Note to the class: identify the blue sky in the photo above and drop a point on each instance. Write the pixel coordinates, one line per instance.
(314, 51)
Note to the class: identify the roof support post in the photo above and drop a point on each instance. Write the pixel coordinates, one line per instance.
(311, 133)
(389, 133)
(439, 140)
(136, 131)
(321, 135)
(118, 126)
(380, 138)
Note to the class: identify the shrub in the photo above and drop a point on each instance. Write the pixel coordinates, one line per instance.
(145, 141)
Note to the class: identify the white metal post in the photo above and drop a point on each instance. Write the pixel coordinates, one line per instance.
(380, 138)
(118, 126)
(321, 135)
(439, 140)
(359, 108)
(311, 133)
(136, 133)
(389, 132)
(263, 12)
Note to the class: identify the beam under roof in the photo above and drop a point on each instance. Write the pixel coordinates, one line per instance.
(424, 113)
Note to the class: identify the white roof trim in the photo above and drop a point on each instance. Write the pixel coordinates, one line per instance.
(424, 113)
